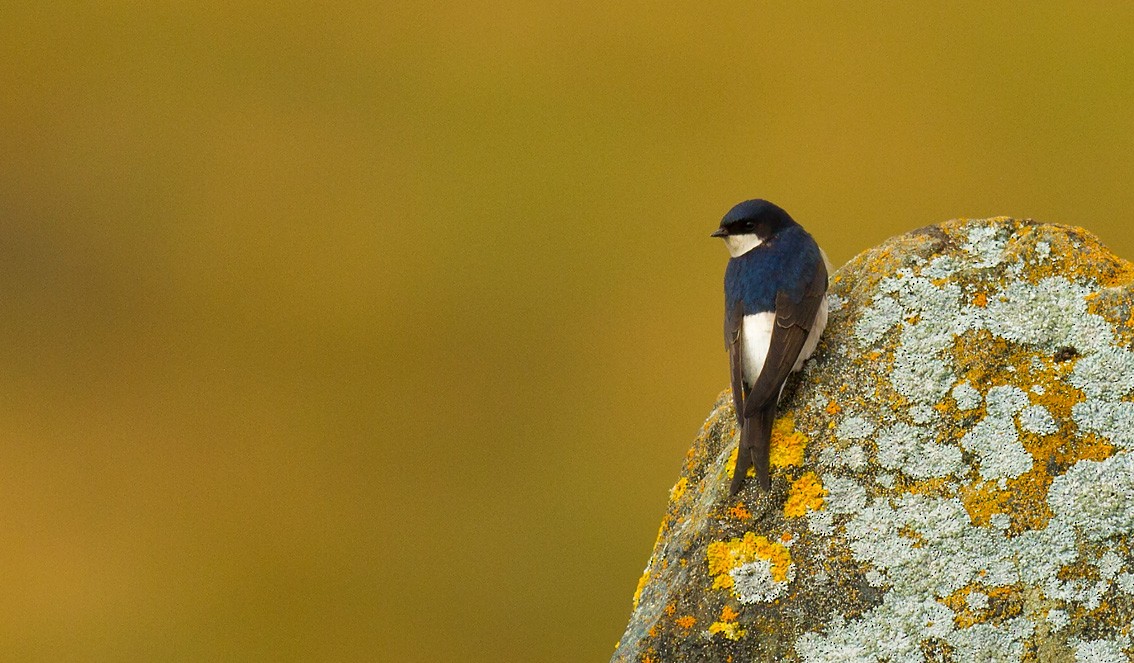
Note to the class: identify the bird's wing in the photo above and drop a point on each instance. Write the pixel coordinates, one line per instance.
(734, 340)
(793, 324)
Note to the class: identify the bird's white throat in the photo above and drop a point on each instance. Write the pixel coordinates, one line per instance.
(738, 245)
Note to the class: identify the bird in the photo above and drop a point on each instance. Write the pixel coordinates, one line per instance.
(775, 289)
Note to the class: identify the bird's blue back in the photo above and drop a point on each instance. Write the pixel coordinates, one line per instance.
(784, 263)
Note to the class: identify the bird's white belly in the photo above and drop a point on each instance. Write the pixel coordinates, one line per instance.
(758, 337)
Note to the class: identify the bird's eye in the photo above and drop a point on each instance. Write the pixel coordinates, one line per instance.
(748, 225)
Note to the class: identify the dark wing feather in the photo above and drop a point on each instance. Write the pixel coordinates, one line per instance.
(793, 323)
(734, 341)
(755, 448)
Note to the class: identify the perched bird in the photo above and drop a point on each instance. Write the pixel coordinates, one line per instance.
(775, 311)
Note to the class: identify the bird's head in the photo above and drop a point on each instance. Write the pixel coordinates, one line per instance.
(750, 224)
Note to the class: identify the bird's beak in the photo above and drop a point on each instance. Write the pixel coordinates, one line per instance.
(719, 232)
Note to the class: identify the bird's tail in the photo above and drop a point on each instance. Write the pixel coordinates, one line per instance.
(755, 448)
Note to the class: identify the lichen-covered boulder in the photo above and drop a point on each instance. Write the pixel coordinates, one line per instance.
(953, 472)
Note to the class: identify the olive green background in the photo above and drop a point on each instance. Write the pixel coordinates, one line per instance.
(378, 332)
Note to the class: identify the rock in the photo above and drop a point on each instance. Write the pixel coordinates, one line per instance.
(953, 472)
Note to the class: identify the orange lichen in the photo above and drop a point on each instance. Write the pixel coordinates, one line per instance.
(971, 353)
(662, 529)
(786, 449)
(1076, 255)
(909, 532)
(1003, 603)
(740, 512)
(727, 626)
(980, 300)
(686, 622)
(1123, 274)
(730, 630)
(1028, 505)
(730, 466)
(641, 585)
(787, 443)
(1058, 397)
(1121, 322)
(1091, 447)
(1023, 498)
(806, 494)
(780, 558)
(983, 500)
(938, 486)
(833, 408)
(679, 489)
(724, 556)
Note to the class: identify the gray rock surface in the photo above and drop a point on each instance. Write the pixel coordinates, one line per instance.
(953, 472)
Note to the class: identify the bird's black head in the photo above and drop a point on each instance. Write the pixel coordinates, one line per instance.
(754, 217)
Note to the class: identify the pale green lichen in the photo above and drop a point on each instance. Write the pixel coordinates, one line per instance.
(941, 267)
(997, 446)
(1106, 374)
(853, 457)
(917, 294)
(1057, 618)
(986, 244)
(835, 303)
(844, 495)
(1037, 419)
(966, 396)
(923, 414)
(976, 600)
(1109, 565)
(1097, 496)
(948, 554)
(910, 450)
(1005, 401)
(1101, 651)
(1049, 314)
(921, 379)
(1112, 420)
(821, 522)
(992, 643)
(885, 632)
(878, 319)
(854, 428)
(754, 582)
(1087, 594)
(1126, 582)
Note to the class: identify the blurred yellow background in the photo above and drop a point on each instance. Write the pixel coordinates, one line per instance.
(369, 332)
